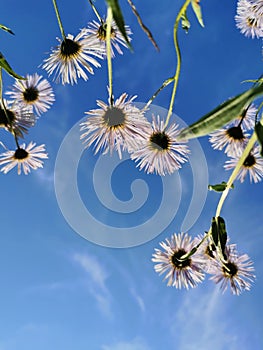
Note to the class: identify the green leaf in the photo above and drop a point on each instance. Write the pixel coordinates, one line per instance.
(185, 22)
(219, 233)
(219, 187)
(197, 10)
(221, 115)
(118, 18)
(259, 132)
(6, 29)
(5, 65)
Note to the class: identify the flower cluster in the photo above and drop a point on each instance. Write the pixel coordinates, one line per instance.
(122, 126)
(233, 138)
(186, 261)
(28, 99)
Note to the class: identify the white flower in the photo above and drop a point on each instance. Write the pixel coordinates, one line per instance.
(16, 118)
(249, 18)
(253, 165)
(160, 152)
(25, 158)
(180, 271)
(34, 91)
(72, 57)
(98, 32)
(237, 271)
(114, 126)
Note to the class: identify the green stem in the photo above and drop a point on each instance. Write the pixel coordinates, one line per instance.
(59, 20)
(235, 172)
(108, 47)
(95, 11)
(4, 108)
(178, 55)
(165, 83)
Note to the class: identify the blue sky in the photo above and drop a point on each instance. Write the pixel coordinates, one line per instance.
(61, 291)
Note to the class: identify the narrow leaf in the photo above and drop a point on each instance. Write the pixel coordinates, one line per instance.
(219, 187)
(6, 29)
(185, 22)
(219, 233)
(118, 18)
(221, 115)
(215, 233)
(5, 65)
(259, 132)
(198, 12)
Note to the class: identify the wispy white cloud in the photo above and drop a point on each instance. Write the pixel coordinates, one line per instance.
(134, 344)
(96, 282)
(138, 299)
(202, 322)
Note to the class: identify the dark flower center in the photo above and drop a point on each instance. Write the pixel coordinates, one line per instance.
(102, 32)
(250, 161)
(180, 264)
(69, 48)
(20, 153)
(114, 117)
(235, 132)
(30, 94)
(4, 120)
(160, 140)
(230, 269)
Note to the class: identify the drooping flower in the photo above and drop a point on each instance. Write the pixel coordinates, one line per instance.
(117, 126)
(249, 18)
(16, 118)
(232, 138)
(253, 165)
(160, 152)
(98, 32)
(236, 271)
(186, 272)
(34, 91)
(72, 58)
(25, 158)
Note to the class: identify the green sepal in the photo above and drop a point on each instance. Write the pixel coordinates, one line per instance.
(5, 65)
(6, 29)
(259, 133)
(118, 18)
(198, 12)
(221, 115)
(219, 233)
(185, 22)
(219, 187)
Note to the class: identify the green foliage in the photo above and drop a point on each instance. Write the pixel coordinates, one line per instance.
(185, 22)
(221, 115)
(118, 17)
(219, 187)
(259, 132)
(198, 12)
(5, 65)
(6, 29)
(219, 233)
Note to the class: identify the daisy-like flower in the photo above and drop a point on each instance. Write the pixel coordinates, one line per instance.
(246, 118)
(180, 273)
(98, 32)
(16, 118)
(118, 126)
(232, 138)
(253, 165)
(25, 158)
(249, 19)
(72, 58)
(160, 152)
(236, 271)
(34, 91)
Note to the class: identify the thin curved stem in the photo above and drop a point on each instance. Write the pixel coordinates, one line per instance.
(95, 11)
(108, 47)
(178, 55)
(59, 19)
(235, 172)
